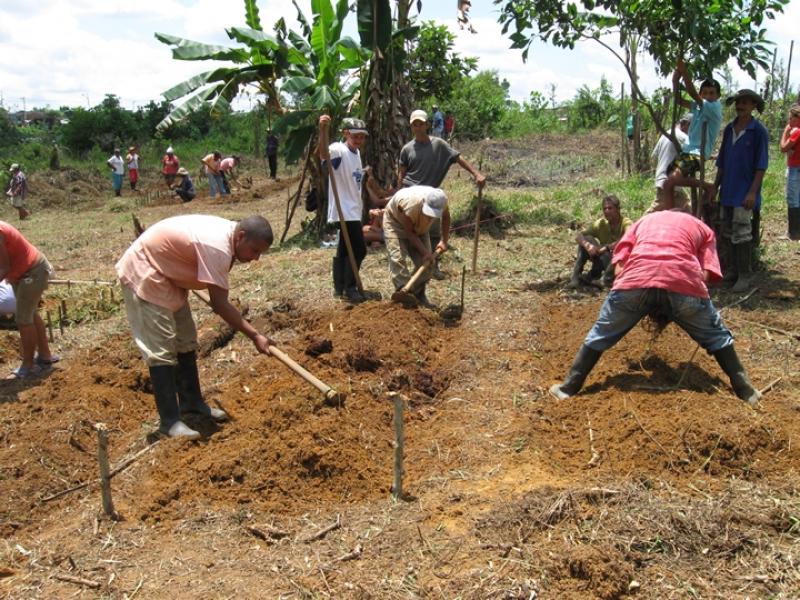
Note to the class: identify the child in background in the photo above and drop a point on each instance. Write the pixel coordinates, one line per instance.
(789, 145)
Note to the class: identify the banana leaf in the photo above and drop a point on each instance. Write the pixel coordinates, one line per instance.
(190, 50)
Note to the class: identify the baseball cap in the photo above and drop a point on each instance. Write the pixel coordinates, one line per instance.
(434, 203)
(354, 125)
(418, 115)
(170, 150)
(14, 167)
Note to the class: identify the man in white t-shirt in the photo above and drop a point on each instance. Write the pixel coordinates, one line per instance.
(344, 165)
(117, 166)
(665, 154)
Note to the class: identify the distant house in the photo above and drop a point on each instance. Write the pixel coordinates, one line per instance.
(35, 117)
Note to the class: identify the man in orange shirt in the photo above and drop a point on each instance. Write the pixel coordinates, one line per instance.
(28, 272)
(178, 254)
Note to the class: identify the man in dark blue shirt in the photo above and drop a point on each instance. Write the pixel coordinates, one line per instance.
(741, 164)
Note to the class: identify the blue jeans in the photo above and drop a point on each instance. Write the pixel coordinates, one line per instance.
(623, 309)
(215, 185)
(793, 187)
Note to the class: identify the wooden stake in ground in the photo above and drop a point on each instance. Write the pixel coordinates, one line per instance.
(478, 209)
(105, 471)
(49, 327)
(399, 442)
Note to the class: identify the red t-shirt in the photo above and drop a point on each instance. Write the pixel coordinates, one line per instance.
(793, 156)
(667, 250)
(22, 255)
(171, 164)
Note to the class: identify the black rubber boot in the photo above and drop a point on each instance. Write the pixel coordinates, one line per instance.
(794, 223)
(584, 362)
(731, 268)
(338, 276)
(729, 361)
(744, 255)
(165, 391)
(189, 394)
(351, 293)
(577, 269)
(422, 298)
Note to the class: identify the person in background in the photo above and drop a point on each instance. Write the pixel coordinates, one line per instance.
(425, 160)
(185, 189)
(437, 126)
(449, 125)
(664, 263)
(132, 158)
(170, 164)
(28, 272)
(344, 166)
(271, 153)
(18, 191)
(117, 166)
(596, 244)
(173, 256)
(226, 170)
(741, 164)
(665, 154)
(211, 163)
(790, 147)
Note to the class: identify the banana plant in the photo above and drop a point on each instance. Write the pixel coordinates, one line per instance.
(260, 59)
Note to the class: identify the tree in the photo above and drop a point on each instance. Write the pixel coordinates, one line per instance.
(479, 102)
(433, 68)
(706, 34)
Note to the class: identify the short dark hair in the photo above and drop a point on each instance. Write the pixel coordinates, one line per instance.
(256, 227)
(613, 199)
(710, 83)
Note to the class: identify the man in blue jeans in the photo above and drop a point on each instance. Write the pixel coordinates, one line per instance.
(663, 263)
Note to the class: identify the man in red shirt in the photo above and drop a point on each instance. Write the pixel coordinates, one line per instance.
(28, 272)
(188, 252)
(663, 263)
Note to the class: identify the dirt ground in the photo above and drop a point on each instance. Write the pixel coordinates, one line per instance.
(654, 482)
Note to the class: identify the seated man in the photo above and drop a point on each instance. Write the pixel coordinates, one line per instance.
(664, 263)
(597, 242)
(407, 221)
(373, 231)
(185, 189)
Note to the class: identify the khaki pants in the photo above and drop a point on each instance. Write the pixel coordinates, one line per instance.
(28, 290)
(737, 224)
(660, 203)
(399, 251)
(159, 333)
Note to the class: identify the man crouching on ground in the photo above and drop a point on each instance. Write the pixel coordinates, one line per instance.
(407, 222)
(663, 263)
(190, 252)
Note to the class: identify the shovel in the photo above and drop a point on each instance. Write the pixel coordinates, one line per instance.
(404, 295)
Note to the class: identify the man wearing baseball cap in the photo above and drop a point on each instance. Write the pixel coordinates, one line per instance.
(407, 220)
(344, 164)
(741, 163)
(426, 161)
(18, 190)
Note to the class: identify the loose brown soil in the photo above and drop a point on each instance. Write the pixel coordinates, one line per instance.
(635, 487)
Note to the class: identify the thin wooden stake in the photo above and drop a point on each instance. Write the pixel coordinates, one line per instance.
(105, 475)
(478, 209)
(64, 309)
(399, 442)
(49, 327)
(77, 580)
(61, 319)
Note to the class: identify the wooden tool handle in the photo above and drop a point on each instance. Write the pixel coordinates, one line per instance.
(286, 360)
(419, 272)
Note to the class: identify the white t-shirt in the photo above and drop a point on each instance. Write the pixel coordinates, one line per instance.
(116, 162)
(664, 152)
(346, 168)
(8, 304)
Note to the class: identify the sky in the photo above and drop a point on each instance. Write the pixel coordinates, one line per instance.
(74, 52)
